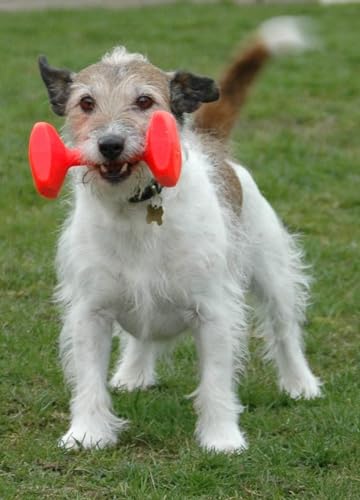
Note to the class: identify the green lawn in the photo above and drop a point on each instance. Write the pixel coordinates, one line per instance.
(299, 133)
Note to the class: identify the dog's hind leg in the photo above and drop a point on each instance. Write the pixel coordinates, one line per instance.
(86, 342)
(281, 288)
(136, 366)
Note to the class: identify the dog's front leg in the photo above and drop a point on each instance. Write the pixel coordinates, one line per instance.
(215, 399)
(87, 337)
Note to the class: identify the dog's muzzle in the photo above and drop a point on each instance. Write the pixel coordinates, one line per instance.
(113, 169)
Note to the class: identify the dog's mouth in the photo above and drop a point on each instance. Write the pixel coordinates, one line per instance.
(116, 172)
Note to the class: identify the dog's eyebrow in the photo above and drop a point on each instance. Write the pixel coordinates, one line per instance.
(81, 86)
(79, 90)
(146, 89)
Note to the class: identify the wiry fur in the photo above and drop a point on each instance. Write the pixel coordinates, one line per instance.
(216, 244)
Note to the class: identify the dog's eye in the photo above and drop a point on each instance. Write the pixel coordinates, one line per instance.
(144, 102)
(87, 104)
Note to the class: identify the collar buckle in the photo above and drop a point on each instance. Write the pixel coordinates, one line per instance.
(151, 190)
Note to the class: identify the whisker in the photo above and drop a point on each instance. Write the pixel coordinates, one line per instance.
(85, 176)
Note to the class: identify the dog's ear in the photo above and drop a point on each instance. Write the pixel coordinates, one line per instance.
(58, 83)
(189, 91)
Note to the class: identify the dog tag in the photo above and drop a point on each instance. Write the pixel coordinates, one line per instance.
(154, 214)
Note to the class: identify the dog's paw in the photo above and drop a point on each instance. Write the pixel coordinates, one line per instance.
(96, 435)
(127, 380)
(77, 439)
(222, 439)
(308, 387)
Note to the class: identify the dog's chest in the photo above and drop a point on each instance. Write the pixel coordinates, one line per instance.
(149, 301)
(154, 273)
(148, 278)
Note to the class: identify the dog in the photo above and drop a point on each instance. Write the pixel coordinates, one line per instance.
(160, 261)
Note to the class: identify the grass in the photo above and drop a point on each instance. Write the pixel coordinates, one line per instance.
(299, 134)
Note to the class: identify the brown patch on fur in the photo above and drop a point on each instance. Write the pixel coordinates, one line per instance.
(225, 179)
(233, 188)
(229, 189)
(219, 117)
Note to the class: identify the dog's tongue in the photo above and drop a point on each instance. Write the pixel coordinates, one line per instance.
(163, 151)
(50, 159)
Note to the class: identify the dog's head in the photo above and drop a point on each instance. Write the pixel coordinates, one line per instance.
(108, 106)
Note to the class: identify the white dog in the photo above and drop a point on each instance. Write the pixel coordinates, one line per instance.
(159, 261)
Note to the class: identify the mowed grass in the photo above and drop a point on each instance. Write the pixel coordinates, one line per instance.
(299, 134)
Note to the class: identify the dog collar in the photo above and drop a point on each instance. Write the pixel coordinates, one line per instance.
(151, 190)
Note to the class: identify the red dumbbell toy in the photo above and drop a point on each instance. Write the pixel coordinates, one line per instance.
(50, 159)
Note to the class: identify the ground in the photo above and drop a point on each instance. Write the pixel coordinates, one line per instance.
(299, 135)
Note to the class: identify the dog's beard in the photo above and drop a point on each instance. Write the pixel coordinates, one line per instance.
(108, 185)
(118, 179)
(113, 171)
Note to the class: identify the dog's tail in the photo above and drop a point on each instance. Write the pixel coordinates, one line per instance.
(277, 36)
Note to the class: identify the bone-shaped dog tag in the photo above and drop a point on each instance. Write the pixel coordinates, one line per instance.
(154, 214)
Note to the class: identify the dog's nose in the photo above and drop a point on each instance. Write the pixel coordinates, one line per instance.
(111, 146)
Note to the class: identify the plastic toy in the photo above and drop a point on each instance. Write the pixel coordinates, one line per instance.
(50, 159)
